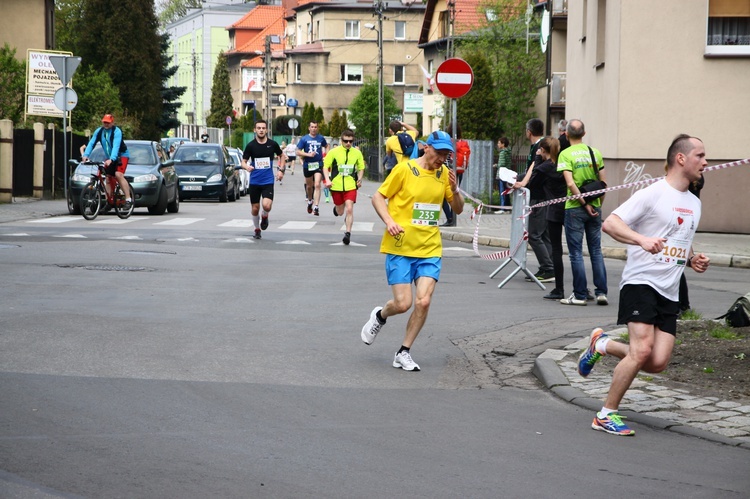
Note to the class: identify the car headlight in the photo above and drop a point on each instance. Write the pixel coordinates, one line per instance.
(216, 177)
(149, 177)
(81, 178)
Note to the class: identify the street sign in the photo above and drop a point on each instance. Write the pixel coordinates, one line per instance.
(454, 78)
(293, 124)
(66, 99)
(229, 120)
(65, 66)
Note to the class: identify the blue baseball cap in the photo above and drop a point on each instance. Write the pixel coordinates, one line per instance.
(441, 141)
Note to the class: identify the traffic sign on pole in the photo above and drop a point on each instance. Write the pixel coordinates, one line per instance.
(65, 66)
(454, 78)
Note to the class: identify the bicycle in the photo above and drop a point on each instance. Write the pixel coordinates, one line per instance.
(94, 196)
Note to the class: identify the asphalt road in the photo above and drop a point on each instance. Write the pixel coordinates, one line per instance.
(145, 360)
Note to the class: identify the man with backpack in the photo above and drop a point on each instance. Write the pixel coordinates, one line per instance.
(402, 140)
(461, 161)
(116, 152)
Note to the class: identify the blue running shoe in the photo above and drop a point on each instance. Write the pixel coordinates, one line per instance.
(590, 356)
(612, 424)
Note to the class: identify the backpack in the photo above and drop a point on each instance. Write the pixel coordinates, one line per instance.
(98, 136)
(463, 151)
(738, 314)
(406, 142)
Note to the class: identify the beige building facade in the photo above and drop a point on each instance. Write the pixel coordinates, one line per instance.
(28, 24)
(332, 48)
(637, 84)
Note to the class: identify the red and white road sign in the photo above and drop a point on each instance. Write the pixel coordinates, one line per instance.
(454, 78)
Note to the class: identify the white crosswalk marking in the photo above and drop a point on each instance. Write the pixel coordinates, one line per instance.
(132, 238)
(240, 240)
(238, 222)
(117, 221)
(293, 241)
(341, 243)
(184, 239)
(73, 236)
(19, 234)
(293, 225)
(180, 221)
(53, 220)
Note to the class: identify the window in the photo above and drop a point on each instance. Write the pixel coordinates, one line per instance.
(601, 32)
(351, 73)
(445, 24)
(297, 71)
(352, 29)
(398, 74)
(728, 30)
(309, 32)
(400, 30)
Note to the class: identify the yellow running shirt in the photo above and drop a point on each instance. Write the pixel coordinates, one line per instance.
(415, 197)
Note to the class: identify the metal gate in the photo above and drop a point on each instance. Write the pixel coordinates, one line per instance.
(23, 162)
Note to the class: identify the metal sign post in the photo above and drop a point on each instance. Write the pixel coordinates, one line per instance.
(65, 66)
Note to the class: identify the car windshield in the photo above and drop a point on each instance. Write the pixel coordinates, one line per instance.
(141, 154)
(97, 155)
(196, 154)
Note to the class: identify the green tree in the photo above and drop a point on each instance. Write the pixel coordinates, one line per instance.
(170, 94)
(97, 97)
(321, 120)
(308, 115)
(172, 10)
(478, 111)
(335, 127)
(363, 109)
(12, 85)
(221, 94)
(517, 76)
(68, 23)
(121, 39)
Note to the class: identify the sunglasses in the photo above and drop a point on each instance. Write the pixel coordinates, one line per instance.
(348, 141)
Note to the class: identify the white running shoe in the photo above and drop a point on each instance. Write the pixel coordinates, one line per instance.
(602, 300)
(371, 329)
(405, 362)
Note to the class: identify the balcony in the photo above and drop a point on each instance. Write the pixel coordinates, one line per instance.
(557, 90)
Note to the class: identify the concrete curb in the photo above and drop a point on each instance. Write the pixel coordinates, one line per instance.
(551, 376)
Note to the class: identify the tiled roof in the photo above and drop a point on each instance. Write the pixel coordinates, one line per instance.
(274, 27)
(260, 17)
(469, 16)
(308, 48)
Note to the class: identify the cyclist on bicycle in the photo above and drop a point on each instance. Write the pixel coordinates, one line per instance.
(116, 152)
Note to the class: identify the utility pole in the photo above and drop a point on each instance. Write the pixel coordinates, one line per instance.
(195, 90)
(379, 7)
(267, 75)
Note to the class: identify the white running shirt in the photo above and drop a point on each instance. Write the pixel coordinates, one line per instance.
(660, 210)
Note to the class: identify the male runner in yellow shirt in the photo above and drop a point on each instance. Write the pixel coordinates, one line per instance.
(415, 191)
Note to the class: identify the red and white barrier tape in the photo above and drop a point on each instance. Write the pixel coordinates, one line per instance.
(644, 182)
(507, 253)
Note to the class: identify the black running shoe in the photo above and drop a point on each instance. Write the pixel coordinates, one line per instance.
(264, 223)
(347, 237)
(257, 234)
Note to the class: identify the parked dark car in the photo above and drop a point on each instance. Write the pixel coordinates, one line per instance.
(152, 175)
(206, 171)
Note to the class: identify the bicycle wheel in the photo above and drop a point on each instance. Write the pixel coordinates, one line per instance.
(123, 209)
(91, 199)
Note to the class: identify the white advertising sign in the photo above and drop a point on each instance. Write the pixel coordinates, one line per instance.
(413, 102)
(42, 105)
(42, 82)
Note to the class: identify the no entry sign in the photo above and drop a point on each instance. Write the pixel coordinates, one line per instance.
(454, 78)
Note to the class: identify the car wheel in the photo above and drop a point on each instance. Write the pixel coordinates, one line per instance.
(235, 194)
(161, 205)
(223, 196)
(73, 207)
(174, 206)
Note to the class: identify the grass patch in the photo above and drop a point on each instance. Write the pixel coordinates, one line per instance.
(691, 315)
(625, 337)
(708, 370)
(723, 332)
